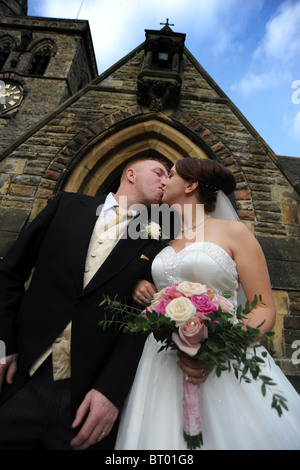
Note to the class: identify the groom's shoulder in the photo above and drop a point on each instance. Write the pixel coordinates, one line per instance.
(78, 197)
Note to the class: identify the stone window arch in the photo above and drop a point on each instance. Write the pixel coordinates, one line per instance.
(92, 161)
(41, 55)
(6, 45)
(97, 168)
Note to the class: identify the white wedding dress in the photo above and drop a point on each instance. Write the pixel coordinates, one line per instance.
(235, 414)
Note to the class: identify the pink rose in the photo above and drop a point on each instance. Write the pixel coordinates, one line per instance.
(158, 307)
(225, 305)
(190, 335)
(188, 349)
(161, 307)
(171, 292)
(203, 304)
(193, 331)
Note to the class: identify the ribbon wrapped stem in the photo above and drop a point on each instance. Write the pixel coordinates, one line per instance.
(192, 413)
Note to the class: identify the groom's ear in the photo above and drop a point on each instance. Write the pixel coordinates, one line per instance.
(191, 186)
(130, 174)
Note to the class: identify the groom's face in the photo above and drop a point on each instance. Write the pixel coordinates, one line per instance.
(149, 180)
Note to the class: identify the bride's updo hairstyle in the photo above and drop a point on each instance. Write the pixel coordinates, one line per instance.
(211, 176)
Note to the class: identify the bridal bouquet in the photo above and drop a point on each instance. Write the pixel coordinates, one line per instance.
(202, 323)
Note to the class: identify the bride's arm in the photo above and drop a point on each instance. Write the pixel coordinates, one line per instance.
(253, 276)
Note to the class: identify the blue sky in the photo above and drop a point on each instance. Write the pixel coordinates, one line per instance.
(251, 48)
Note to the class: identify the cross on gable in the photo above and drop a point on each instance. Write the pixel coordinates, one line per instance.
(167, 23)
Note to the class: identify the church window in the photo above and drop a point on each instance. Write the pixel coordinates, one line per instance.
(5, 48)
(41, 58)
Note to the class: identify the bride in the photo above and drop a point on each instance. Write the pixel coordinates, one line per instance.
(221, 254)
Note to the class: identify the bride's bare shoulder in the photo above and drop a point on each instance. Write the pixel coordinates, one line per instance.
(232, 224)
(233, 227)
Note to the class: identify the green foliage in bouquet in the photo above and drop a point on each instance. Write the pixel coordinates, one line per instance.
(226, 346)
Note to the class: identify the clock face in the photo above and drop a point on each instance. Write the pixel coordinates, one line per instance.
(11, 95)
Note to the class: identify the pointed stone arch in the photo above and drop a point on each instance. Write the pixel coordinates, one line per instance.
(41, 53)
(94, 159)
(103, 160)
(7, 44)
(92, 162)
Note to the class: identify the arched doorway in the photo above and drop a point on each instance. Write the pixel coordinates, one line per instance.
(97, 170)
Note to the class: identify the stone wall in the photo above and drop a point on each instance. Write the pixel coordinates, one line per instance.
(72, 66)
(13, 7)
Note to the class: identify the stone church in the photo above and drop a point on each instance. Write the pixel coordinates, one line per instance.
(64, 127)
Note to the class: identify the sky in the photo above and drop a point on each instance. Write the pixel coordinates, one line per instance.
(251, 49)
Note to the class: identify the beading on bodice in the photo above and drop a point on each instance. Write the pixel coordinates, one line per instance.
(203, 262)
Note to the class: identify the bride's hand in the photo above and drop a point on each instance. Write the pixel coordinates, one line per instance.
(144, 292)
(195, 371)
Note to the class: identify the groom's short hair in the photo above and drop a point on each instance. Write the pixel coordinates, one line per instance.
(144, 158)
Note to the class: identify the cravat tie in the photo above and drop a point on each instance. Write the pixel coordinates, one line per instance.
(121, 215)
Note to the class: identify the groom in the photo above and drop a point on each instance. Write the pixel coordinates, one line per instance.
(64, 379)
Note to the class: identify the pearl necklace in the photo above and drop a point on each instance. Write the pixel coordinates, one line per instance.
(194, 226)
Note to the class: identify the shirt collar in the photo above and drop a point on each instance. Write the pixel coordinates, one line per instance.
(110, 202)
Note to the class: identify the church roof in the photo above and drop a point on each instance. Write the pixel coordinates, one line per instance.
(292, 164)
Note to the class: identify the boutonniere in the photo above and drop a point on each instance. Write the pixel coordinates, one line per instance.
(153, 230)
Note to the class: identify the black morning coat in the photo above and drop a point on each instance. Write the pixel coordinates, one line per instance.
(56, 244)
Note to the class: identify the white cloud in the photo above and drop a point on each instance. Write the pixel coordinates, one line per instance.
(282, 40)
(256, 82)
(117, 26)
(276, 58)
(252, 82)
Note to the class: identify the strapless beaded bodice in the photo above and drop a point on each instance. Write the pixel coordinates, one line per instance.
(203, 262)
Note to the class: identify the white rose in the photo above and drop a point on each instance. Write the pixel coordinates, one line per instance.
(157, 296)
(154, 230)
(180, 310)
(191, 288)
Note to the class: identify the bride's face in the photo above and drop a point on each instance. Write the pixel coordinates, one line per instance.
(174, 188)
